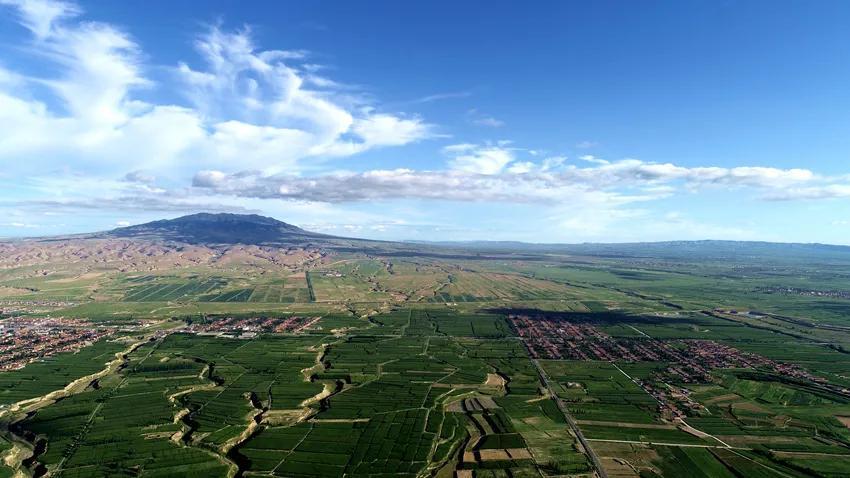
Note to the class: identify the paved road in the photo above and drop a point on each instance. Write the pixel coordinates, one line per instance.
(570, 421)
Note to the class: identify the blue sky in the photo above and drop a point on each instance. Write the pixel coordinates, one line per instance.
(559, 122)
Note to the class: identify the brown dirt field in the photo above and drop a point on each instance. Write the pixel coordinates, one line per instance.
(844, 421)
(621, 459)
(496, 454)
(495, 380)
(285, 417)
(519, 453)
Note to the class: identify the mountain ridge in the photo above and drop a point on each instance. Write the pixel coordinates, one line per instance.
(218, 228)
(223, 229)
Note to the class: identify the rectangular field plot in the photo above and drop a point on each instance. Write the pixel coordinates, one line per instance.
(598, 391)
(235, 295)
(155, 291)
(642, 435)
(282, 292)
(488, 286)
(331, 286)
(430, 322)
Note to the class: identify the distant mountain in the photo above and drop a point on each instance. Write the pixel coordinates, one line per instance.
(674, 250)
(205, 228)
(250, 229)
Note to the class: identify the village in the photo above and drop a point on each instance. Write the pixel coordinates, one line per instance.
(24, 340)
(17, 307)
(250, 327)
(688, 361)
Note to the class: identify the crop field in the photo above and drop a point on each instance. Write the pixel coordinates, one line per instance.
(163, 292)
(5, 447)
(282, 292)
(599, 392)
(414, 391)
(122, 426)
(55, 372)
(446, 364)
(338, 287)
(430, 322)
(474, 287)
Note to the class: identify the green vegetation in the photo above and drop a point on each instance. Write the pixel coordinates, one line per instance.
(414, 366)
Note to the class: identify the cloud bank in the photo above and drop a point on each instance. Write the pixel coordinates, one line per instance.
(491, 174)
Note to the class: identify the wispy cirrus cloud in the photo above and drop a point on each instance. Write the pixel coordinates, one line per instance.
(131, 203)
(480, 119)
(442, 96)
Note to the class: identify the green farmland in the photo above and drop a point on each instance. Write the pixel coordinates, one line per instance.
(487, 364)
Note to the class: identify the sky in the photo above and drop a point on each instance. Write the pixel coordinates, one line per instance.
(556, 121)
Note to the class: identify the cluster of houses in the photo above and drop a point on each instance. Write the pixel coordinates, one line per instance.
(15, 307)
(836, 294)
(560, 339)
(688, 361)
(24, 340)
(249, 327)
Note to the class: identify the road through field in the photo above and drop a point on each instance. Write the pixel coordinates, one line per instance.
(597, 463)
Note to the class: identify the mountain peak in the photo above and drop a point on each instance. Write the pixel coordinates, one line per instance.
(227, 218)
(219, 228)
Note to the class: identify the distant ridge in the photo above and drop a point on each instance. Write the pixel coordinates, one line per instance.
(220, 228)
(718, 249)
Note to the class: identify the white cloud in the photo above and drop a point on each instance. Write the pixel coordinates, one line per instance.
(479, 159)
(40, 15)
(488, 121)
(459, 148)
(250, 108)
(488, 173)
(826, 191)
(442, 96)
(477, 118)
(593, 159)
(22, 225)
